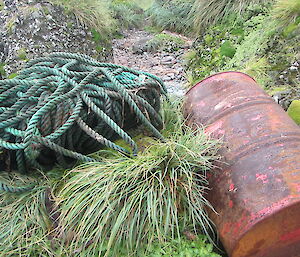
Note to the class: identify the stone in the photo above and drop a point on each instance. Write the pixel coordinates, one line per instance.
(293, 68)
(163, 64)
(139, 47)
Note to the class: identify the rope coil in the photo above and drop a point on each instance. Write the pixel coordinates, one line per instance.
(64, 106)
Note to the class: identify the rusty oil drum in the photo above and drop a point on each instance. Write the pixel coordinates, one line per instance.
(256, 190)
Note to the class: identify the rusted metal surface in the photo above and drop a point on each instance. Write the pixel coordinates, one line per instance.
(256, 191)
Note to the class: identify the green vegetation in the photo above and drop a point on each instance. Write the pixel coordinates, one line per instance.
(127, 13)
(120, 206)
(132, 202)
(12, 75)
(26, 228)
(141, 206)
(172, 15)
(294, 111)
(164, 42)
(287, 11)
(91, 13)
(179, 248)
(209, 12)
(22, 54)
(1, 5)
(255, 43)
(2, 70)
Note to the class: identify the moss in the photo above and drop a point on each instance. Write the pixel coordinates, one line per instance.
(183, 247)
(294, 111)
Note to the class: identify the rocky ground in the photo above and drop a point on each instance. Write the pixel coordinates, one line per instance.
(168, 65)
(31, 28)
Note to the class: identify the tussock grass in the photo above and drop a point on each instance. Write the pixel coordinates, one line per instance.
(257, 68)
(172, 15)
(118, 206)
(127, 13)
(94, 14)
(26, 227)
(125, 203)
(209, 12)
(287, 11)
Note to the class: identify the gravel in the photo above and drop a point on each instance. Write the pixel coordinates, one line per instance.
(168, 66)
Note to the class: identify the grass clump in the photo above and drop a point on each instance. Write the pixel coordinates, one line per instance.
(287, 11)
(209, 12)
(120, 206)
(172, 15)
(127, 203)
(92, 13)
(258, 68)
(26, 227)
(166, 42)
(127, 13)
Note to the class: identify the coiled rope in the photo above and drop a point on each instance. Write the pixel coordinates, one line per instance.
(64, 106)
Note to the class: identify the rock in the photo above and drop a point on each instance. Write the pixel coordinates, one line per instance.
(171, 75)
(139, 47)
(168, 66)
(34, 28)
(168, 60)
(166, 78)
(293, 68)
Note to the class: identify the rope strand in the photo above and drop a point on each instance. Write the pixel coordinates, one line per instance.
(62, 107)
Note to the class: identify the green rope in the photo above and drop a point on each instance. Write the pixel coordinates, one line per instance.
(62, 107)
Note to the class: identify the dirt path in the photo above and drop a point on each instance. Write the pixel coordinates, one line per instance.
(168, 66)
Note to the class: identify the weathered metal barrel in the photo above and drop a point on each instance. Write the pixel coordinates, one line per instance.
(256, 190)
